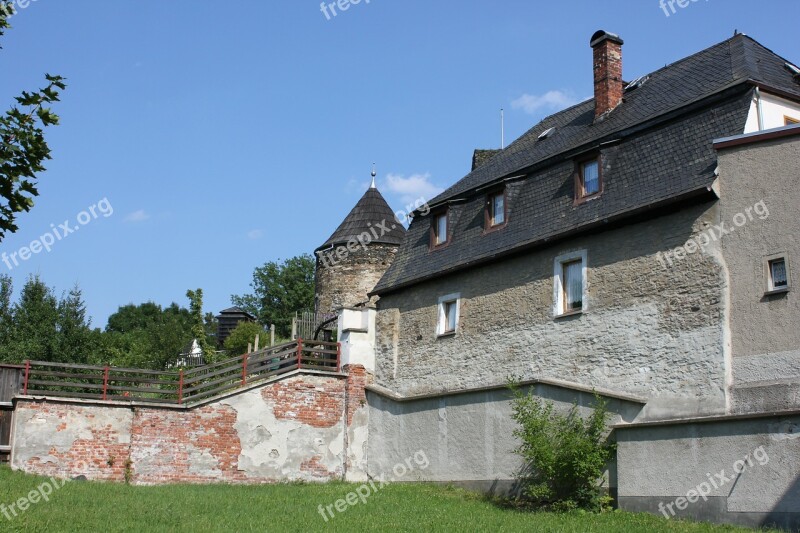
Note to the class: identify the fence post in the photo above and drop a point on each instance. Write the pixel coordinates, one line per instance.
(338, 357)
(299, 353)
(27, 375)
(180, 387)
(105, 383)
(244, 370)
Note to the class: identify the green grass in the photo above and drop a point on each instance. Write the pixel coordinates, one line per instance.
(83, 506)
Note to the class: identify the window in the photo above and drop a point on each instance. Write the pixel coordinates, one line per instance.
(449, 309)
(569, 293)
(778, 279)
(789, 121)
(496, 210)
(589, 182)
(439, 229)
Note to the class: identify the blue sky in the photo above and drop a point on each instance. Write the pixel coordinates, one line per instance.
(228, 134)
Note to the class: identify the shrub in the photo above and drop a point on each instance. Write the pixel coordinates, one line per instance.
(564, 454)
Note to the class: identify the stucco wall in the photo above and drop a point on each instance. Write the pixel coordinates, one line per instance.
(292, 429)
(467, 438)
(764, 329)
(748, 470)
(650, 328)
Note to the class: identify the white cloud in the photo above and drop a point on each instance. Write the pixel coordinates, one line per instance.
(255, 234)
(137, 216)
(411, 188)
(549, 101)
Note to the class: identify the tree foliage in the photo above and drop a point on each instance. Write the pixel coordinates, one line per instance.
(280, 290)
(564, 455)
(198, 322)
(244, 335)
(23, 148)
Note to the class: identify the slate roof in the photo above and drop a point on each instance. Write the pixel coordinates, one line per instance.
(656, 148)
(370, 211)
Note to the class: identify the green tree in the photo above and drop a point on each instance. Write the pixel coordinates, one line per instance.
(564, 454)
(24, 149)
(199, 324)
(280, 290)
(6, 316)
(74, 332)
(244, 334)
(34, 322)
(134, 317)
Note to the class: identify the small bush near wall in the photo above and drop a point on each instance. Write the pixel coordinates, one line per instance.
(565, 454)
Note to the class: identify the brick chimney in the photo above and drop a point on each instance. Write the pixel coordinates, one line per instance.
(608, 86)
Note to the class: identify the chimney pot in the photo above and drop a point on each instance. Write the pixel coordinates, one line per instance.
(608, 85)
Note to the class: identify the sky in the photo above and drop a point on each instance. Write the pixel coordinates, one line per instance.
(212, 137)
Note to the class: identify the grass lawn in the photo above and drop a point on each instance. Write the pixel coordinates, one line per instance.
(83, 506)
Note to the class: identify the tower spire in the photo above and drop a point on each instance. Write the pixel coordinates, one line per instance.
(374, 173)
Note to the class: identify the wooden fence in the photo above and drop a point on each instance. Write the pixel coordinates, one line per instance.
(11, 377)
(181, 387)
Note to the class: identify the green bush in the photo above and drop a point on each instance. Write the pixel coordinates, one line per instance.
(565, 455)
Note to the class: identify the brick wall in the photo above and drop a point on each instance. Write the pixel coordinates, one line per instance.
(289, 430)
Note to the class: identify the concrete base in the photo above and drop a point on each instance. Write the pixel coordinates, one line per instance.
(714, 510)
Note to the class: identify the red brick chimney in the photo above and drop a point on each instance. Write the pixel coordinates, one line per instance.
(608, 86)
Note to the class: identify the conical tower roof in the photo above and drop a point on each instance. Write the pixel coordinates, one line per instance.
(370, 212)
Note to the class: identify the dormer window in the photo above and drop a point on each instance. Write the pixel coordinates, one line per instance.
(439, 229)
(589, 181)
(496, 210)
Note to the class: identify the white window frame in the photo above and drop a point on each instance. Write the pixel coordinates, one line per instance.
(441, 326)
(770, 287)
(558, 282)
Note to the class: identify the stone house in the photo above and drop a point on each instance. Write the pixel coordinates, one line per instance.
(641, 244)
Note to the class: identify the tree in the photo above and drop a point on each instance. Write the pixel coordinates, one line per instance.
(23, 149)
(34, 324)
(280, 290)
(244, 334)
(134, 317)
(74, 332)
(6, 316)
(199, 325)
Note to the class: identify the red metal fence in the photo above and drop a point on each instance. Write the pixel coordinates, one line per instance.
(183, 386)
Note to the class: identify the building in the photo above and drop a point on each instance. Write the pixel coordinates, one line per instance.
(640, 244)
(228, 320)
(356, 255)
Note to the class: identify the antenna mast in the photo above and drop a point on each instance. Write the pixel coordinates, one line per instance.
(502, 128)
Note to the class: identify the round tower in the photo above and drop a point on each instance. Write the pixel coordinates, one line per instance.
(355, 257)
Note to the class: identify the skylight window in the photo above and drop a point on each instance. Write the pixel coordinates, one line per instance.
(635, 84)
(546, 133)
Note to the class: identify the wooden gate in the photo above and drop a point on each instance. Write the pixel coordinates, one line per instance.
(11, 377)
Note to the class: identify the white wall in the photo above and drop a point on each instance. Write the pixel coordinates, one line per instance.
(774, 110)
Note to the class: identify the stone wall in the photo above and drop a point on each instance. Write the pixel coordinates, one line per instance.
(748, 470)
(345, 277)
(650, 328)
(294, 429)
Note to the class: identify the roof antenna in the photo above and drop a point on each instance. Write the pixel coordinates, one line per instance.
(374, 173)
(502, 129)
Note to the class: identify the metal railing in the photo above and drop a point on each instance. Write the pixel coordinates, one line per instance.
(181, 387)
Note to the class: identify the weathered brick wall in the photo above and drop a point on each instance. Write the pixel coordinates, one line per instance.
(293, 429)
(650, 329)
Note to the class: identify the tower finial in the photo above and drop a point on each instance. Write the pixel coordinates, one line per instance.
(374, 173)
